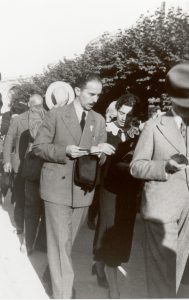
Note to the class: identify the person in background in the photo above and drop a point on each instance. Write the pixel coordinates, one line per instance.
(7, 178)
(58, 94)
(111, 114)
(35, 229)
(34, 220)
(17, 138)
(161, 160)
(118, 198)
(68, 132)
(1, 165)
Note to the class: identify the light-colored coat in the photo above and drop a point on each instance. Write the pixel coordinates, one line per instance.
(60, 129)
(165, 202)
(164, 196)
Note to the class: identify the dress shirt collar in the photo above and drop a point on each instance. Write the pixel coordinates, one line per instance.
(79, 109)
(113, 128)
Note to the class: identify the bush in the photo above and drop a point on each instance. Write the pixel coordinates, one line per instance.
(135, 60)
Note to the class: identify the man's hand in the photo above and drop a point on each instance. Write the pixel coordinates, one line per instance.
(75, 151)
(106, 148)
(94, 150)
(7, 167)
(172, 166)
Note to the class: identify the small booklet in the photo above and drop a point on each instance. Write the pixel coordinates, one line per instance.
(180, 158)
(84, 150)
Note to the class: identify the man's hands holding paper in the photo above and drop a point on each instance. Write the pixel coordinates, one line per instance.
(105, 148)
(75, 151)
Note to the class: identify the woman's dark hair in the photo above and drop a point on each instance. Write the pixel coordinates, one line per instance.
(129, 100)
(18, 108)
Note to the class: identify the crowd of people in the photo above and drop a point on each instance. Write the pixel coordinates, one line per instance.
(70, 163)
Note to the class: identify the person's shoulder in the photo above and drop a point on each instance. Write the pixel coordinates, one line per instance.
(14, 120)
(55, 111)
(98, 116)
(153, 122)
(61, 109)
(17, 119)
(24, 115)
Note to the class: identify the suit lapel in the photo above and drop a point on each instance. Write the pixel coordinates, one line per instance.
(88, 131)
(171, 132)
(71, 121)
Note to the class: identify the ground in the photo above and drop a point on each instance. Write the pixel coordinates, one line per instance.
(21, 276)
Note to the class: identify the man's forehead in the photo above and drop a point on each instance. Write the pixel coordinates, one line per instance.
(125, 109)
(93, 84)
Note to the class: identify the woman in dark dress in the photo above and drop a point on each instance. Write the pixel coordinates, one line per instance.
(118, 198)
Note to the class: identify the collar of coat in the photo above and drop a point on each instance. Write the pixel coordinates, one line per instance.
(167, 126)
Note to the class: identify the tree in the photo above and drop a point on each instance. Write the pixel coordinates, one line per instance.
(136, 59)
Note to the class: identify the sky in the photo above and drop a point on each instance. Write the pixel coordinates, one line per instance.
(36, 33)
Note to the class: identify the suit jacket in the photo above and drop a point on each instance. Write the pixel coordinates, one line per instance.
(164, 196)
(60, 129)
(16, 141)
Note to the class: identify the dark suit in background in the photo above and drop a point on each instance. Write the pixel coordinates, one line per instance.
(35, 229)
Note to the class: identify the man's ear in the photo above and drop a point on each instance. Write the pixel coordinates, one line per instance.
(77, 91)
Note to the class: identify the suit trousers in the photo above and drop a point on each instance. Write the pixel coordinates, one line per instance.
(62, 225)
(19, 200)
(166, 251)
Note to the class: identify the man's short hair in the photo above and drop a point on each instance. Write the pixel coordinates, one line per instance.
(82, 81)
(127, 99)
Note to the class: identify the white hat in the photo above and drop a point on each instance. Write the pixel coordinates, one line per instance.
(59, 93)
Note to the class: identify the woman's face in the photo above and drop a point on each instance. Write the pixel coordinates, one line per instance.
(124, 114)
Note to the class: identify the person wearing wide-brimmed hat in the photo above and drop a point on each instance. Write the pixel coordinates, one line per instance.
(35, 234)
(161, 160)
(58, 94)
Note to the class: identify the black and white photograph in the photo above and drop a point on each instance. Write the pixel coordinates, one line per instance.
(94, 149)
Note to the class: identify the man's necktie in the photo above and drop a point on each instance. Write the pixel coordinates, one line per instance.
(121, 134)
(82, 122)
(184, 129)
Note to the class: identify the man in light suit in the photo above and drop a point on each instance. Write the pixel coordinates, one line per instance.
(14, 149)
(59, 142)
(160, 159)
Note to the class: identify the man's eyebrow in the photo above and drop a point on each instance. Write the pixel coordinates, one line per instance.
(95, 93)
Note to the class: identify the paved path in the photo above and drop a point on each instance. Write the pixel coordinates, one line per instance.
(21, 277)
(17, 276)
(131, 286)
